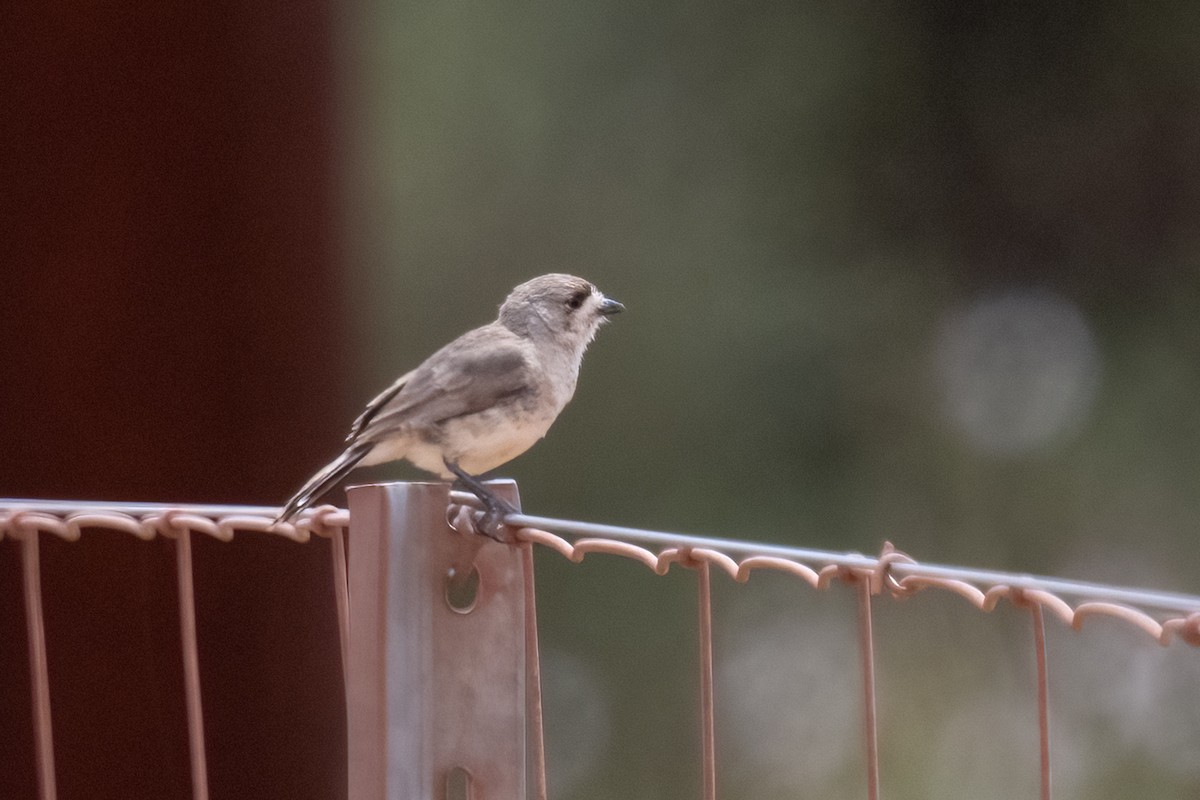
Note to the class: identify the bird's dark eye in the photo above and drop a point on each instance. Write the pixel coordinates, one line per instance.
(577, 299)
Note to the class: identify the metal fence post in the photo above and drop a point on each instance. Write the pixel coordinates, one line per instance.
(432, 691)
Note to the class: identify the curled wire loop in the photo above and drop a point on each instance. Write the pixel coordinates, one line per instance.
(880, 577)
(23, 524)
(324, 521)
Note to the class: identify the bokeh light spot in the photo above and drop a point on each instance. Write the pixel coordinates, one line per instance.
(1017, 370)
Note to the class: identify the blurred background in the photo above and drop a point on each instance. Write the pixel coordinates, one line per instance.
(927, 273)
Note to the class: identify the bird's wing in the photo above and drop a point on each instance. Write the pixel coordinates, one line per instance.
(472, 373)
(376, 405)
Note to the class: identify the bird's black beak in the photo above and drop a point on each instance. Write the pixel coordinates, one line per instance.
(610, 307)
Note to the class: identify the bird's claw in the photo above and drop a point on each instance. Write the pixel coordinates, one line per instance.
(491, 524)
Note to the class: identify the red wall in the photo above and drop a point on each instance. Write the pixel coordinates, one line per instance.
(172, 326)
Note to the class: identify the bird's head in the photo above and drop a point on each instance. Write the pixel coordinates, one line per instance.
(567, 308)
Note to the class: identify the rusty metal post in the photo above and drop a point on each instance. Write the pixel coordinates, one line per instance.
(435, 693)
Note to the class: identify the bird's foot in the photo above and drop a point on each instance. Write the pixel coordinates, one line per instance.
(491, 523)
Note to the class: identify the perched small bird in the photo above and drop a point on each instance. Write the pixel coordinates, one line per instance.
(481, 400)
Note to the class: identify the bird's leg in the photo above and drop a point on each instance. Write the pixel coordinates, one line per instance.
(496, 508)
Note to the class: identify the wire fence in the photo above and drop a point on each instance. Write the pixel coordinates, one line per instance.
(1165, 617)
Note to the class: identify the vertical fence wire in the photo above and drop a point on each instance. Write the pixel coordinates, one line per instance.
(191, 665)
(867, 653)
(1039, 644)
(707, 714)
(38, 667)
(533, 678)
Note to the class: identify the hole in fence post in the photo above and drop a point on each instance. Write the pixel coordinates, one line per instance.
(462, 590)
(458, 784)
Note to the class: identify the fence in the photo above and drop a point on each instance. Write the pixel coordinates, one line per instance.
(439, 635)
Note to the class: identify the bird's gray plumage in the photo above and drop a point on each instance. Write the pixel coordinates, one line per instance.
(484, 398)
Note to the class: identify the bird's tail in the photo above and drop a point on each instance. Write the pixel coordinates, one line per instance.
(323, 481)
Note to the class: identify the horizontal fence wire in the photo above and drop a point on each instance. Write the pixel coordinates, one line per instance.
(1162, 615)
(66, 519)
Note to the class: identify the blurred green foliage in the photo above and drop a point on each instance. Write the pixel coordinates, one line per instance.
(793, 200)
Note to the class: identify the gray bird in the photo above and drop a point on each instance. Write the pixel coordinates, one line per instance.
(481, 400)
